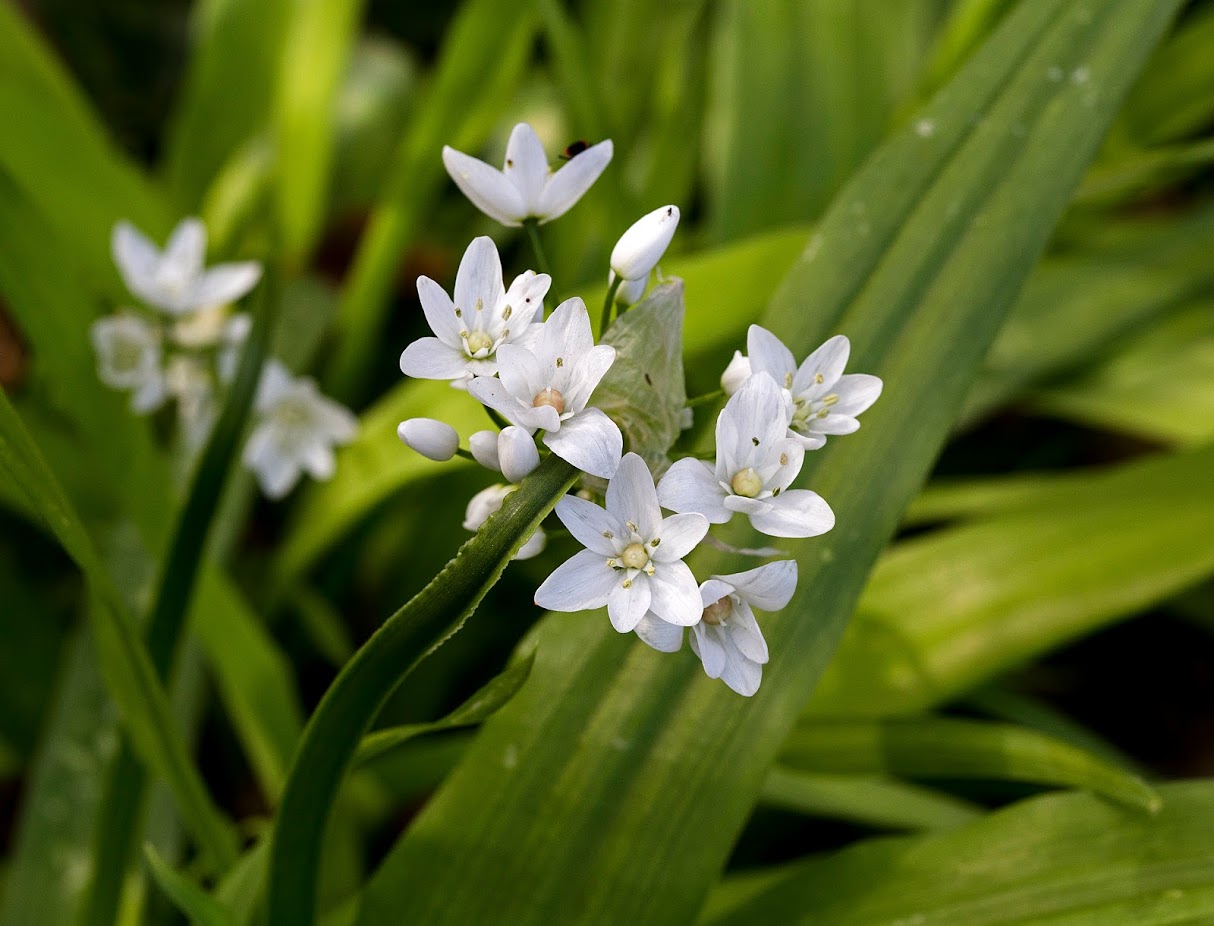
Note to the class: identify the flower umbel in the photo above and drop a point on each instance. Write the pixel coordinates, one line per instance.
(547, 387)
(633, 561)
(483, 316)
(525, 188)
(756, 463)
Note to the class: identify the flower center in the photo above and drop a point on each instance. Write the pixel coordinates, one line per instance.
(479, 340)
(746, 482)
(717, 612)
(552, 398)
(634, 556)
(807, 410)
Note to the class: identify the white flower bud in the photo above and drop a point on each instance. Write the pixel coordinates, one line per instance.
(736, 374)
(630, 291)
(436, 440)
(642, 246)
(483, 445)
(517, 453)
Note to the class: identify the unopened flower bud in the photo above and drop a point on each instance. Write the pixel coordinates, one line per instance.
(483, 445)
(630, 291)
(736, 374)
(642, 246)
(517, 453)
(436, 440)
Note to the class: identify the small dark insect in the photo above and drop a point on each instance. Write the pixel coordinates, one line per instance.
(648, 380)
(574, 149)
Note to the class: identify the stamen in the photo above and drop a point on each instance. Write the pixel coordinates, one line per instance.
(819, 378)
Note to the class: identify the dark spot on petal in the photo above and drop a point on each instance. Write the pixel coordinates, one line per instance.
(648, 380)
(755, 441)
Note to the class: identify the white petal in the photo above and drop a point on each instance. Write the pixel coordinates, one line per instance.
(338, 423)
(680, 534)
(580, 583)
(748, 506)
(768, 354)
(525, 298)
(224, 283)
(795, 513)
(690, 486)
(713, 590)
(809, 441)
(483, 445)
(834, 424)
(590, 525)
(631, 496)
(590, 441)
(149, 395)
(566, 334)
(527, 166)
(570, 183)
(769, 587)
(430, 358)
(186, 249)
(533, 546)
(676, 597)
(828, 361)
(753, 421)
(745, 634)
(628, 602)
(630, 291)
(276, 382)
(706, 643)
(517, 453)
(787, 456)
(137, 259)
(655, 632)
(522, 373)
(433, 439)
(318, 461)
(587, 374)
(440, 312)
(741, 674)
(857, 392)
(490, 391)
(643, 244)
(484, 504)
(487, 188)
(736, 374)
(478, 281)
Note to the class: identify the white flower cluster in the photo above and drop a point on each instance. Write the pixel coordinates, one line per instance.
(187, 348)
(536, 376)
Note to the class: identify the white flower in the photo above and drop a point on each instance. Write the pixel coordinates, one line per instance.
(484, 316)
(736, 374)
(433, 439)
(129, 357)
(489, 501)
(190, 383)
(642, 246)
(231, 339)
(174, 280)
(511, 451)
(524, 188)
(549, 385)
(296, 430)
(633, 561)
(727, 639)
(825, 401)
(756, 463)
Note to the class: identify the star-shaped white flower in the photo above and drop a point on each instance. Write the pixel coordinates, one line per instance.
(825, 400)
(488, 502)
(756, 463)
(175, 279)
(547, 387)
(296, 431)
(129, 357)
(633, 561)
(525, 188)
(484, 316)
(727, 639)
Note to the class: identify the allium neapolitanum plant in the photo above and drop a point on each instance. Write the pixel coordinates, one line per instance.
(850, 199)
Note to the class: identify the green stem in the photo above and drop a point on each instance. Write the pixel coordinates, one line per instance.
(496, 417)
(608, 303)
(533, 232)
(350, 705)
(466, 454)
(706, 399)
(123, 796)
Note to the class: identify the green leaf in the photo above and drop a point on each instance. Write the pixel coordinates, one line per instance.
(940, 747)
(1176, 94)
(476, 709)
(351, 703)
(867, 800)
(188, 897)
(643, 392)
(949, 610)
(601, 760)
(1059, 859)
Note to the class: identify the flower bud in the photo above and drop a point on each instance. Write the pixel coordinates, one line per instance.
(642, 246)
(517, 453)
(736, 374)
(436, 440)
(483, 445)
(630, 291)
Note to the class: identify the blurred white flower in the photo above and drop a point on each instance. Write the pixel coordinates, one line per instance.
(756, 462)
(736, 374)
(633, 561)
(727, 638)
(296, 431)
(175, 279)
(525, 188)
(129, 357)
(548, 386)
(487, 502)
(484, 316)
(433, 439)
(190, 383)
(825, 401)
